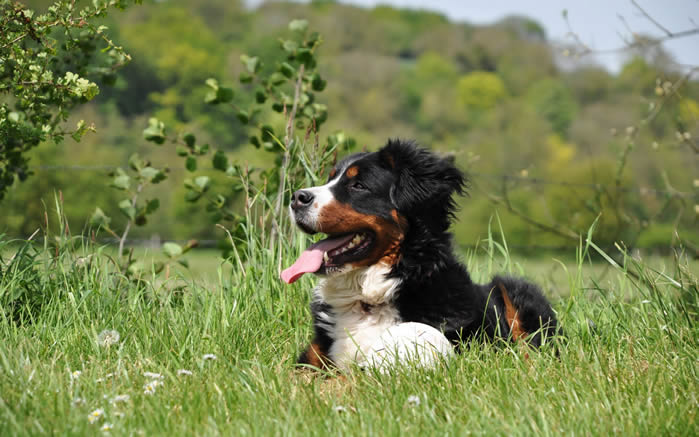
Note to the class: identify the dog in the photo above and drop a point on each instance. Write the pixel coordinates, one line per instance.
(388, 264)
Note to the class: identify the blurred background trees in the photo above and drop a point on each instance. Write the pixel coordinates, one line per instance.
(549, 148)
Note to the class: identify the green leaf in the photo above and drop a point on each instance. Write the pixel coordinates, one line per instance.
(172, 250)
(317, 83)
(212, 83)
(155, 131)
(287, 70)
(191, 164)
(305, 56)
(152, 205)
(252, 63)
(192, 196)
(189, 139)
(127, 208)
(220, 161)
(152, 175)
(181, 150)
(260, 95)
(267, 133)
(121, 182)
(224, 94)
(290, 46)
(210, 98)
(277, 79)
(243, 116)
(100, 219)
(201, 150)
(135, 162)
(298, 25)
(245, 78)
(202, 182)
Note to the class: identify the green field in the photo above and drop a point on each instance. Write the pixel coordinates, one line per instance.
(628, 367)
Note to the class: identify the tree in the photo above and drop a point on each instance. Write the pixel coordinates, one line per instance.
(50, 65)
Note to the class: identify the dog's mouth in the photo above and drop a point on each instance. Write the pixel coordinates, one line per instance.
(329, 255)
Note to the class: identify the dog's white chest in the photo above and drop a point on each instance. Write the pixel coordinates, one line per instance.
(366, 326)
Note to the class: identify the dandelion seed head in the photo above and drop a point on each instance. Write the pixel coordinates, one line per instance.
(108, 337)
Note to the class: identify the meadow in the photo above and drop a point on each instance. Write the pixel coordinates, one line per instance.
(210, 351)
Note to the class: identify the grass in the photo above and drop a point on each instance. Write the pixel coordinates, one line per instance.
(629, 365)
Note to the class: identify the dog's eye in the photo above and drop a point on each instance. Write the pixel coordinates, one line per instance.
(356, 185)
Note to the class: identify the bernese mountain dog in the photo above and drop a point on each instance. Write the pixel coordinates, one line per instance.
(388, 266)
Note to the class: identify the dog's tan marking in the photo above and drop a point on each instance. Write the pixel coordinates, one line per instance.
(340, 218)
(511, 315)
(316, 357)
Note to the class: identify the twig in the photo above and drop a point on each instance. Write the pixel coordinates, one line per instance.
(651, 19)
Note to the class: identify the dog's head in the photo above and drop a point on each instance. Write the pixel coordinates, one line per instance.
(369, 204)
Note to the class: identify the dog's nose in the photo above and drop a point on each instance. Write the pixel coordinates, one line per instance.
(301, 199)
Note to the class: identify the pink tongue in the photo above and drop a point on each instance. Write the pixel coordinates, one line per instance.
(312, 258)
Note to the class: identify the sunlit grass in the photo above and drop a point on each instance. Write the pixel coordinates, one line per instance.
(216, 356)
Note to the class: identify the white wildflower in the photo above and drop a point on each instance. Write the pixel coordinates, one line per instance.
(149, 388)
(120, 398)
(108, 337)
(413, 400)
(95, 415)
(184, 372)
(207, 357)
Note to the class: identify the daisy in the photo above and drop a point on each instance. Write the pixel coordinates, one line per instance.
(149, 388)
(95, 415)
(413, 400)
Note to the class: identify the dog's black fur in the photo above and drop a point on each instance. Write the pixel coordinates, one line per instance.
(435, 287)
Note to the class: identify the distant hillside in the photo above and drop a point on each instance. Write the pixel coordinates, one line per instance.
(491, 95)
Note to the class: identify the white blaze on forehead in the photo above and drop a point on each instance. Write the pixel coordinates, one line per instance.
(322, 196)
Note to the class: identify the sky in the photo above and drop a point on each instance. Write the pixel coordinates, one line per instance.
(596, 22)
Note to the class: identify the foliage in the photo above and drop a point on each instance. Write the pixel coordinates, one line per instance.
(50, 63)
(390, 73)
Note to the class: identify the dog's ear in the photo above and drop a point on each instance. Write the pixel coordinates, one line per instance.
(425, 182)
